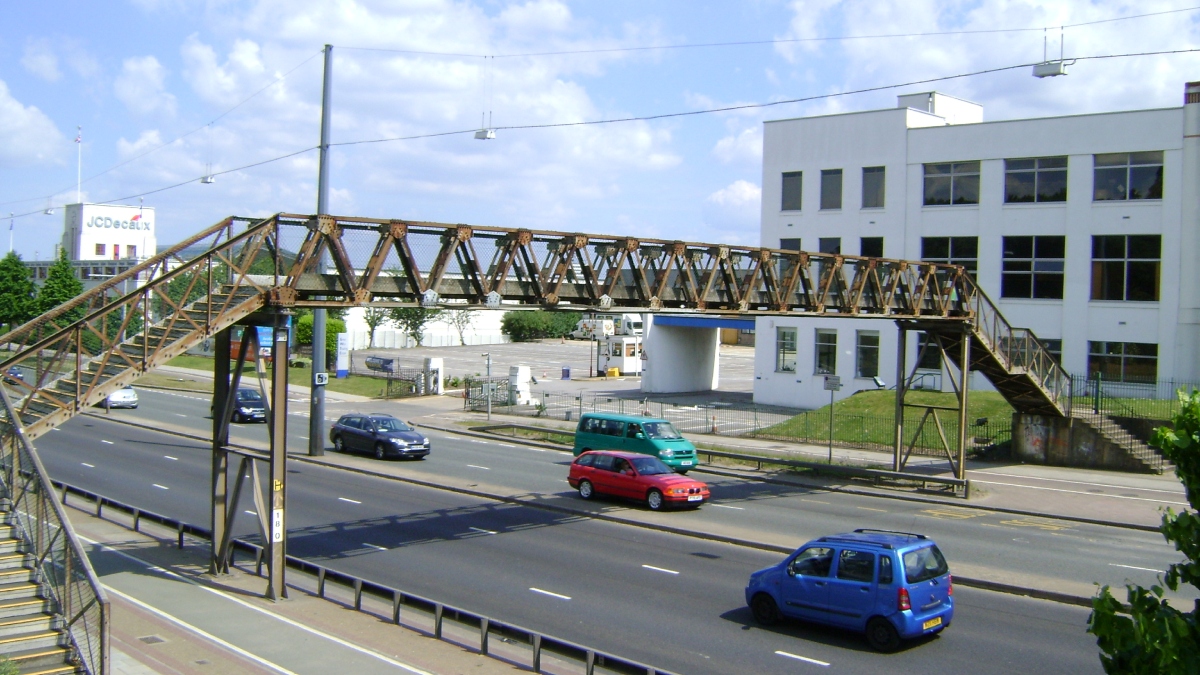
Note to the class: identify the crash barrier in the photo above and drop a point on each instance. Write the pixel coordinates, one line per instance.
(505, 641)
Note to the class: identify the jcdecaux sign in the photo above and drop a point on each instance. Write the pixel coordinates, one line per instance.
(135, 222)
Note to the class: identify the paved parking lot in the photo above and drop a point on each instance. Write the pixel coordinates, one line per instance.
(547, 358)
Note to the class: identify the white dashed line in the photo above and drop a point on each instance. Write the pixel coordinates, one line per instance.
(348, 500)
(250, 513)
(506, 445)
(161, 487)
(173, 459)
(180, 415)
(804, 659)
(90, 466)
(1080, 492)
(867, 508)
(481, 530)
(660, 569)
(303, 438)
(1131, 567)
(722, 506)
(553, 595)
(476, 466)
(377, 548)
(109, 442)
(813, 501)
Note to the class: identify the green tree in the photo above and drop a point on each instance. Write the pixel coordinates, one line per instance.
(61, 285)
(17, 291)
(524, 325)
(374, 318)
(304, 331)
(412, 320)
(1150, 636)
(461, 320)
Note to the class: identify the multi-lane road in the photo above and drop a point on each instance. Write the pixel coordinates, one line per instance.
(671, 600)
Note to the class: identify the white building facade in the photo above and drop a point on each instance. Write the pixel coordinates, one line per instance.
(102, 241)
(1082, 228)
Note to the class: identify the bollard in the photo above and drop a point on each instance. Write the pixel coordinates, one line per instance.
(483, 636)
(397, 596)
(179, 527)
(137, 520)
(321, 582)
(714, 424)
(589, 665)
(536, 666)
(358, 594)
(437, 621)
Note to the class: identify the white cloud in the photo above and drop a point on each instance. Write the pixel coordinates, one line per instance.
(141, 86)
(734, 210)
(536, 18)
(744, 146)
(39, 59)
(223, 84)
(27, 136)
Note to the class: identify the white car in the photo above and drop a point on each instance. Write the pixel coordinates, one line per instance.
(123, 398)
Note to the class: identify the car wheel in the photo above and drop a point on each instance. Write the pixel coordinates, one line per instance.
(585, 489)
(236, 418)
(379, 453)
(338, 444)
(764, 609)
(683, 472)
(882, 635)
(654, 499)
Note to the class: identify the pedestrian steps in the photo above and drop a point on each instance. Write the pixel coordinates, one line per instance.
(1150, 459)
(32, 634)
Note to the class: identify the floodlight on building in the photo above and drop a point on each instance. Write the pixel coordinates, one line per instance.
(1050, 69)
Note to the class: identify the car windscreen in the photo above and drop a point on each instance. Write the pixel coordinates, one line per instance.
(650, 466)
(390, 424)
(924, 564)
(249, 395)
(662, 430)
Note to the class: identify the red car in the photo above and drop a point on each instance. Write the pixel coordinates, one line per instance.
(635, 476)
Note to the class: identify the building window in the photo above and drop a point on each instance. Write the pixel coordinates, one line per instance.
(872, 187)
(99, 249)
(929, 355)
(1055, 349)
(867, 363)
(831, 245)
(831, 189)
(951, 251)
(793, 190)
(790, 244)
(825, 361)
(1128, 175)
(1033, 267)
(785, 350)
(952, 183)
(1043, 179)
(870, 247)
(130, 251)
(1123, 361)
(1125, 267)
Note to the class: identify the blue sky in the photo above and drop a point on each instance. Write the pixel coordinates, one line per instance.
(138, 74)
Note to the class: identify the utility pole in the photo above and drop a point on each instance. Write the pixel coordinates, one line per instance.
(488, 387)
(316, 418)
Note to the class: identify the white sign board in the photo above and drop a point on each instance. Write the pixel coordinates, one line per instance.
(833, 383)
(276, 525)
(342, 368)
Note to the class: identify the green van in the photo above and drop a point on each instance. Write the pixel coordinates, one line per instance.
(632, 433)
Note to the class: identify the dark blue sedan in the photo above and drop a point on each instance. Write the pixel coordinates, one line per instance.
(381, 435)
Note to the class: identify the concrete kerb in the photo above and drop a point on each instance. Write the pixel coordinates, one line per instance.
(969, 582)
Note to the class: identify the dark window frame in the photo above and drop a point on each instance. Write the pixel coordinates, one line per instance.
(872, 192)
(785, 336)
(958, 251)
(866, 354)
(870, 251)
(1033, 267)
(1035, 180)
(1123, 265)
(831, 183)
(792, 191)
(1129, 362)
(1127, 176)
(958, 180)
(825, 351)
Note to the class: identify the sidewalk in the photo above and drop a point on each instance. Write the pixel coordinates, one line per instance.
(169, 616)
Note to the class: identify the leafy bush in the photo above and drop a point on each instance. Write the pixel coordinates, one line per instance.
(304, 329)
(522, 326)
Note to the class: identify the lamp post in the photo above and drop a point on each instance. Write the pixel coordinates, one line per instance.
(487, 387)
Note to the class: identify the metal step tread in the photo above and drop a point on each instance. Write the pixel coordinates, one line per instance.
(28, 637)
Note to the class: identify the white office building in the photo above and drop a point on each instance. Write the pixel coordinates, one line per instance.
(102, 241)
(1082, 228)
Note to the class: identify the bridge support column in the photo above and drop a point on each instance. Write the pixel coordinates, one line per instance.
(964, 387)
(277, 546)
(680, 359)
(901, 390)
(220, 458)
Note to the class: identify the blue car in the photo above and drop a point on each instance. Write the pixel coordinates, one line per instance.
(892, 586)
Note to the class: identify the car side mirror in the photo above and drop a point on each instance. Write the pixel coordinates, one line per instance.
(791, 571)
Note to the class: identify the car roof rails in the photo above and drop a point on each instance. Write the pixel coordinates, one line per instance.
(866, 530)
(857, 542)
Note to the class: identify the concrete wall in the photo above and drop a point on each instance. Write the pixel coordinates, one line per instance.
(680, 359)
(1060, 441)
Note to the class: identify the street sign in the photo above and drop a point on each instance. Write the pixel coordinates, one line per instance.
(320, 378)
(833, 383)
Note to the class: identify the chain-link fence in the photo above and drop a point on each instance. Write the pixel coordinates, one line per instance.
(849, 430)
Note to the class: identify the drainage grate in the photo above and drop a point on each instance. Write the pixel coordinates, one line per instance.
(151, 639)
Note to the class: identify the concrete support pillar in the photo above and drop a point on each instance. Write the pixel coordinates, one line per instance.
(1187, 340)
(680, 359)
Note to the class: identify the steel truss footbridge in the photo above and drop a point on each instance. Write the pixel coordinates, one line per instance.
(256, 271)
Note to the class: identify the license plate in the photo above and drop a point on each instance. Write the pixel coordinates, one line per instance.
(696, 498)
(932, 623)
(686, 462)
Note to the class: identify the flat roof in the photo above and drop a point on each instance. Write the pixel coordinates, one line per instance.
(1005, 121)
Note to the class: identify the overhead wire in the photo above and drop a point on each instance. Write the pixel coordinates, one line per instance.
(156, 148)
(743, 43)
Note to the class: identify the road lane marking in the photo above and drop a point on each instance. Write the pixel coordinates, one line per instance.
(160, 487)
(377, 548)
(173, 459)
(109, 442)
(949, 514)
(348, 500)
(481, 530)
(305, 438)
(1081, 492)
(805, 659)
(476, 466)
(261, 610)
(181, 415)
(660, 569)
(1074, 482)
(252, 513)
(90, 466)
(1131, 567)
(867, 508)
(553, 595)
(814, 501)
(1040, 523)
(722, 506)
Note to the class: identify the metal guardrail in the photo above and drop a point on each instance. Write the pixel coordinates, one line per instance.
(875, 475)
(442, 617)
(61, 566)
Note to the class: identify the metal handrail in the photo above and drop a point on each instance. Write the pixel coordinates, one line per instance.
(360, 587)
(62, 566)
